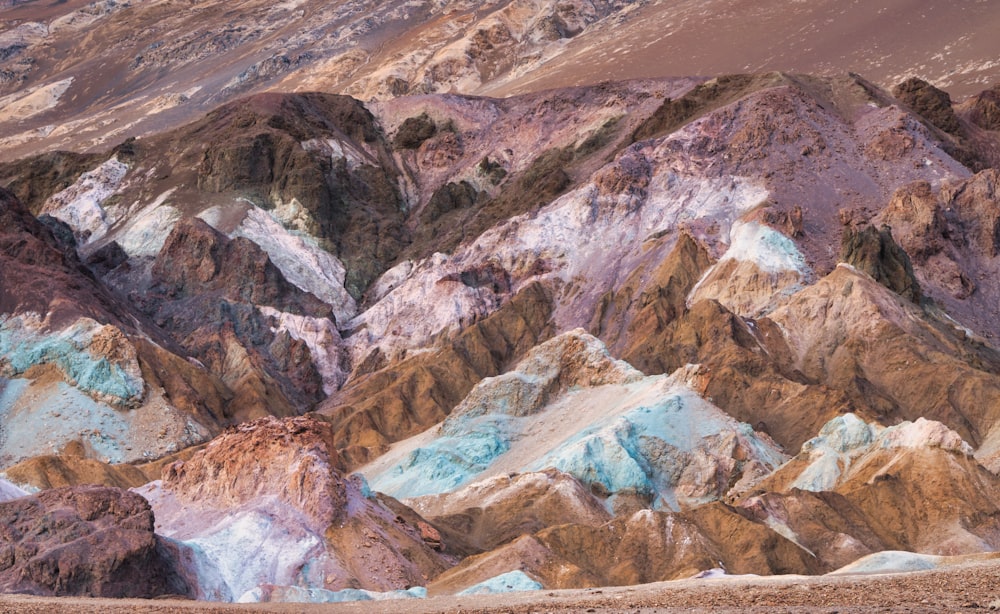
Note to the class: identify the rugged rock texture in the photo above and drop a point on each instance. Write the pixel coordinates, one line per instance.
(199, 271)
(872, 494)
(410, 396)
(581, 331)
(629, 318)
(930, 102)
(634, 441)
(82, 77)
(494, 511)
(79, 360)
(84, 540)
(268, 489)
(877, 254)
(984, 109)
(44, 472)
(645, 547)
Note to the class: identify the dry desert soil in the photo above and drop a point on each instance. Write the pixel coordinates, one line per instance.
(966, 587)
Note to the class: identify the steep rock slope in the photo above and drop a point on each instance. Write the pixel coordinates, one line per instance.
(579, 330)
(914, 486)
(80, 362)
(855, 335)
(647, 546)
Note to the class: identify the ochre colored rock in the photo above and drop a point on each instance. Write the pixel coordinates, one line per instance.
(57, 471)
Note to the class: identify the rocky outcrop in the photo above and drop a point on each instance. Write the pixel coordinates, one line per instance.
(200, 271)
(877, 254)
(744, 370)
(872, 490)
(84, 540)
(318, 153)
(428, 295)
(983, 109)
(198, 260)
(935, 107)
(88, 358)
(494, 511)
(760, 268)
(930, 102)
(44, 472)
(270, 487)
(852, 334)
(33, 180)
(631, 317)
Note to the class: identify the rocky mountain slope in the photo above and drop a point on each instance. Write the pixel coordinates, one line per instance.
(599, 335)
(89, 74)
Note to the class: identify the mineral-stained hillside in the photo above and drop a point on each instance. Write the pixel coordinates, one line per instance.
(87, 74)
(601, 335)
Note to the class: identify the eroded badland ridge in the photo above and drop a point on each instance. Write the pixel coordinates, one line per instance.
(458, 324)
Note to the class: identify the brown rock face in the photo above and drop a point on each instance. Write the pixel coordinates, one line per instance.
(197, 259)
(744, 370)
(57, 471)
(279, 476)
(876, 253)
(929, 101)
(251, 460)
(853, 335)
(269, 148)
(200, 271)
(985, 109)
(36, 178)
(645, 547)
(630, 319)
(84, 540)
(41, 275)
(35, 270)
(502, 509)
(953, 235)
(914, 486)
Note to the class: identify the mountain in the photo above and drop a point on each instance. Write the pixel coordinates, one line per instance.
(83, 75)
(471, 317)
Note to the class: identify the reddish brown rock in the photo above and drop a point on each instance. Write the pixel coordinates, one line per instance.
(309, 525)
(84, 540)
(199, 271)
(984, 108)
(197, 259)
(253, 459)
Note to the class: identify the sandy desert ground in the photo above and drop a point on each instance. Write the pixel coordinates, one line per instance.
(969, 586)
